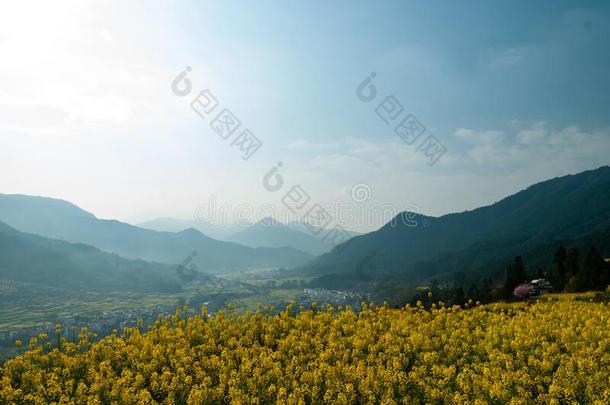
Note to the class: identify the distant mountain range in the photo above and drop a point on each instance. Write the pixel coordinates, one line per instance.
(58, 219)
(271, 233)
(309, 229)
(413, 247)
(268, 232)
(573, 209)
(33, 259)
(166, 224)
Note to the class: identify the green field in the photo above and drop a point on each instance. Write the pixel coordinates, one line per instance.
(25, 306)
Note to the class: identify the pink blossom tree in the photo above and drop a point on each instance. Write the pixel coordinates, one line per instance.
(522, 290)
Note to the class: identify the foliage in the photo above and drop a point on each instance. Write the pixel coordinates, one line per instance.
(521, 291)
(515, 275)
(549, 352)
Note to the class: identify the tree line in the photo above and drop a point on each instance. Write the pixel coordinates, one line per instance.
(569, 271)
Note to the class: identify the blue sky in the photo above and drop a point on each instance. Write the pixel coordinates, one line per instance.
(518, 92)
(484, 65)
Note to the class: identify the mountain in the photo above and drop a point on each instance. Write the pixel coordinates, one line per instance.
(33, 259)
(307, 228)
(271, 233)
(265, 233)
(485, 259)
(57, 219)
(165, 224)
(417, 246)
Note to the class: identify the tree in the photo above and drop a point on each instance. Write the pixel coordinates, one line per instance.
(519, 270)
(605, 276)
(561, 265)
(522, 291)
(576, 280)
(590, 277)
(515, 275)
(485, 290)
(593, 269)
(573, 263)
(473, 293)
(458, 297)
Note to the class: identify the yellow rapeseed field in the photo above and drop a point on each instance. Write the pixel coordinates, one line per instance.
(550, 352)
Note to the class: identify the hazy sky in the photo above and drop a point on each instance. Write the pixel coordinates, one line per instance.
(517, 92)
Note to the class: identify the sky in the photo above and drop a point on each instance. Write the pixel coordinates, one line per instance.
(516, 92)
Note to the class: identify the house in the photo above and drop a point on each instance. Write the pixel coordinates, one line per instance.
(540, 286)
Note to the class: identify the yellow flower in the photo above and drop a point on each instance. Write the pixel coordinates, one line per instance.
(548, 352)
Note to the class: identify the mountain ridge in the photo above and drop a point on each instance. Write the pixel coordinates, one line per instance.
(38, 215)
(560, 208)
(30, 258)
(269, 232)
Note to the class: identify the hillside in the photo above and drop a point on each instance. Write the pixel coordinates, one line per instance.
(61, 220)
(418, 247)
(46, 262)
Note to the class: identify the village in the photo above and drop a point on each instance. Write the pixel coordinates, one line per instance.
(100, 325)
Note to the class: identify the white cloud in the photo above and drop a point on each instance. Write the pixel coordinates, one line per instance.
(86, 114)
(535, 146)
(86, 111)
(305, 145)
(61, 66)
(480, 167)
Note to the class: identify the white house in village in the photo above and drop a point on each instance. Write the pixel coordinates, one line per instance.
(540, 286)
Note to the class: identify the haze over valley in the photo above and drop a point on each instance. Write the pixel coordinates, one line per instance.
(300, 202)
